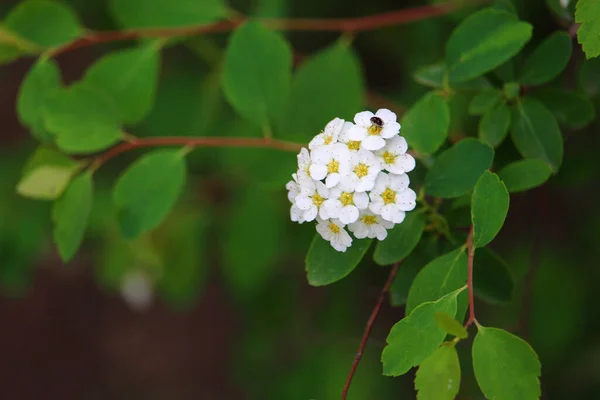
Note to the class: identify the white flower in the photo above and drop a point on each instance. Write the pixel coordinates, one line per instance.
(304, 163)
(293, 188)
(312, 196)
(296, 214)
(344, 203)
(333, 231)
(353, 145)
(329, 135)
(391, 197)
(372, 130)
(393, 156)
(330, 162)
(370, 225)
(364, 168)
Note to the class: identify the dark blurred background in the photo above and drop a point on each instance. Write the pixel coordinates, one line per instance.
(195, 311)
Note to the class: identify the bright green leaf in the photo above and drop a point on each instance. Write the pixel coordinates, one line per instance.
(416, 337)
(326, 85)
(70, 215)
(492, 279)
(489, 207)
(484, 101)
(401, 239)
(82, 118)
(147, 190)
(588, 34)
(425, 125)
(438, 377)
(450, 325)
(525, 174)
(433, 76)
(441, 276)
(571, 109)
(506, 367)
(42, 78)
(536, 134)
(457, 169)
(494, 125)
(511, 90)
(547, 60)
(325, 265)
(484, 41)
(166, 13)
(130, 76)
(257, 76)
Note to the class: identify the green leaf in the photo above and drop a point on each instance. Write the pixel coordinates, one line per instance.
(457, 169)
(548, 60)
(489, 207)
(483, 41)
(146, 191)
(425, 125)
(441, 276)
(166, 13)
(484, 101)
(46, 175)
(41, 79)
(82, 118)
(571, 109)
(494, 125)
(130, 76)
(405, 277)
(401, 239)
(438, 377)
(536, 134)
(433, 76)
(257, 76)
(253, 228)
(325, 265)
(589, 77)
(71, 214)
(336, 71)
(506, 367)
(588, 34)
(511, 90)
(492, 280)
(525, 174)
(450, 325)
(416, 337)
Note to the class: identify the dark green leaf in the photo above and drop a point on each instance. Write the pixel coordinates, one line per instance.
(484, 101)
(494, 125)
(335, 71)
(457, 169)
(450, 325)
(41, 79)
(82, 118)
(506, 367)
(589, 77)
(70, 215)
(572, 110)
(511, 90)
(166, 13)
(438, 377)
(147, 190)
(401, 239)
(492, 280)
(425, 125)
(484, 41)
(405, 277)
(130, 76)
(433, 76)
(547, 60)
(588, 34)
(489, 207)
(324, 265)
(257, 75)
(536, 134)
(441, 276)
(414, 338)
(525, 174)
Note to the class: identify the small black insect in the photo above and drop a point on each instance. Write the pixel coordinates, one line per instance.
(377, 121)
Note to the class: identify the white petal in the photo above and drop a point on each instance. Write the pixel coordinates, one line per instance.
(310, 214)
(361, 231)
(386, 115)
(406, 200)
(322, 190)
(376, 206)
(361, 200)
(363, 118)
(388, 211)
(348, 214)
(400, 144)
(317, 141)
(324, 231)
(406, 162)
(380, 232)
(365, 185)
(318, 171)
(296, 214)
(357, 132)
(303, 202)
(373, 142)
(390, 130)
(399, 182)
(332, 180)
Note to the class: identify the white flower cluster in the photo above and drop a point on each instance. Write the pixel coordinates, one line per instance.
(354, 175)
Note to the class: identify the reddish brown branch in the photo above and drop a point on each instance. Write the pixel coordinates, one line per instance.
(369, 327)
(470, 257)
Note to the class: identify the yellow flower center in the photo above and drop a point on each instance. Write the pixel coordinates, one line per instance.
(369, 219)
(347, 199)
(361, 170)
(389, 158)
(317, 200)
(374, 130)
(353, 145)
(333, 166)
(389, 196)
(328, 139)
(334, 228)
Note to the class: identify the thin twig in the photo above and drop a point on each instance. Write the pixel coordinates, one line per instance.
(470, 256)
(369, 326)
(346, 25)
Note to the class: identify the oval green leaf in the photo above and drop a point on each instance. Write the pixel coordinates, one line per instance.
(438, 377)
(433, 76)
(401, 240)
(450, 325)
(489, 206)
(166, 13)
(484, 101)
(425, 125)
(525, 174)
(492, 281)
(547, 60)
(571, 109)
(494, 125)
